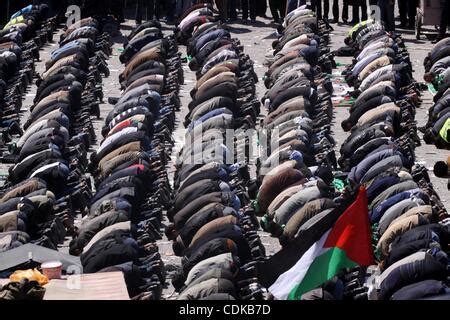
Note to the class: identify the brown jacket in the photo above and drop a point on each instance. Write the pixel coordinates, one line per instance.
(8, 221)
(61, 62)
(220, 78)
(141, 57)
(107, 167)
(283, 196)
(425, 210)
(60, 96)
(129, 147)
(213, 225)
(274, 185)
(396, 229)
(214, 71)
(78, 24)
(232, 65)
(22, 190)
(380, 111)
(284, 59)
(309, 210)
(154, 79)
(294, 104)
(374, 65)
(279, 168)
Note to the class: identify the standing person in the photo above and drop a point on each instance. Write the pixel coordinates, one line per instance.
(356, 5)
(261, 8)
(317, 7)
(335, 10)
(249, 6)
(181, 7)
(345, 11)
(278, 9)
(223, 9)
(168, 8)
(408, 11)
(444, 19)
(387, 14)
(145, 10)
(232, 14)
(116, 8)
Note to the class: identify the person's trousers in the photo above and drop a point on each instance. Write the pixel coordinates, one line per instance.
(249, 5)
(278, 9)
(169, 8)
(146, 9)
(335, 9)
(223, 9)
(363, 5)
(345, 11)
(232, 9)
(387, 14)
(116, 8)
(317, 7)
(261, 8)
(444, 18)
(408, 10)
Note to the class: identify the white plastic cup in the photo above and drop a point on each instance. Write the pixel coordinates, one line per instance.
(52, 269)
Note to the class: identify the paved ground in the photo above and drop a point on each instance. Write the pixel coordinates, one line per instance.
(257, 41)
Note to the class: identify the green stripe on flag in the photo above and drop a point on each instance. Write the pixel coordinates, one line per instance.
(323, 268)
(431, 89)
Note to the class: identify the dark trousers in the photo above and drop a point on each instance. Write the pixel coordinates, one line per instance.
(317, 7)
(444, 18)
(249, 5)
(147, 9)
(168, 7)
(387, 14)
(355, 10)
(223, 9)
(261, 8)
(345, 11)
(232, 9)
(278, 9)
(363, 5)
(116, 8)
(408, 10)
(326, 9)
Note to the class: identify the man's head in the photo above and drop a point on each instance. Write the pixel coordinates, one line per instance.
(441, 169)
(428, 77)
(346, 125)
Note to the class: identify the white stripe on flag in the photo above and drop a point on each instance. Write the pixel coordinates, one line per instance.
(289, 279)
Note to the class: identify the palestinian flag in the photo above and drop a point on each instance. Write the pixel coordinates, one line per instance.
(347, 244)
